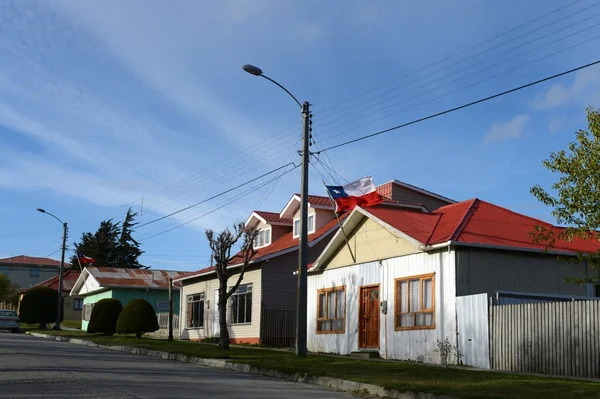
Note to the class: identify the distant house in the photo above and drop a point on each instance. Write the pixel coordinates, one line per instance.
(97, 283)
(72, 305)
(396, 294)
(27, 271)
(263, 307)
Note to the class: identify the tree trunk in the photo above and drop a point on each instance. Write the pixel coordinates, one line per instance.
(224, 332)
(138, 335)
(42, 326)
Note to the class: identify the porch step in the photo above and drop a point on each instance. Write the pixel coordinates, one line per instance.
(365, 354)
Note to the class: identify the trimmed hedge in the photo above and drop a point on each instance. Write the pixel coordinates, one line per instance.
(38, 306)
(137, 317)
(104, 316)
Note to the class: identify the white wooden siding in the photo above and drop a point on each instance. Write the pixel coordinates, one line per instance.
(238, 332)
(416, 345)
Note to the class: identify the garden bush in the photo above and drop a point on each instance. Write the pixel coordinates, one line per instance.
(38, 306)
(104, 316)
(137, 317)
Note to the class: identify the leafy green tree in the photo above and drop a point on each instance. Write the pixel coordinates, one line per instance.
(38, 306)
(137, 317)
(576, 202)
(8, 290)
(128, 250)
(112, 245)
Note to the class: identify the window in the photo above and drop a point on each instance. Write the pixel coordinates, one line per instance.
(415, 303)
(34, 272)
(241, 305)
(263, 238)
(195, 310)
(77, 304)
(311, 225)
(162, 305)
(331, 310)
(87, 311)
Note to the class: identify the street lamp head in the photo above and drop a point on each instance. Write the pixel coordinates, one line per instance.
(41, 210)
(253, 70)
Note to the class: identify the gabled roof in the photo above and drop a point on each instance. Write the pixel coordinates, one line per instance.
(416, 189)
(69, 279)
(472, 223)
(314, 201)
(32, 260)
(109, 277)
(271, 218)
(285, 244)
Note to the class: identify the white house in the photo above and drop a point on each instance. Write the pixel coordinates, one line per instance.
(392, 287)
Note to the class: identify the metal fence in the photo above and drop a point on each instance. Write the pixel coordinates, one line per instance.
(278, 327)
(560, 338)
(163, 320)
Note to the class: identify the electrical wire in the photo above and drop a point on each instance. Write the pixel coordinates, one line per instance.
(461, 106)
(217, 208)
(28, 233)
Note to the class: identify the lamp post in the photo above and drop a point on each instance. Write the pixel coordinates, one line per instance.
(303, 254)
(60, 273)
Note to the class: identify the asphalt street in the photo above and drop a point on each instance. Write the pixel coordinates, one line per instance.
(32, 367)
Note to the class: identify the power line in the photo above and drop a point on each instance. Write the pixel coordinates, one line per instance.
(216, 195)
(453, 55)
(468, 76)
(28, 233)
(219, 207)
(460, 107)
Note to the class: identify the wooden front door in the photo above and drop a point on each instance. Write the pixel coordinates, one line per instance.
(368, 322)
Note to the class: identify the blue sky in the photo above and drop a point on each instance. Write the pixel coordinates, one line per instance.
(103, 103)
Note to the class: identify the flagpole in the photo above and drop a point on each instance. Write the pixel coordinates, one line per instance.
(340, 223)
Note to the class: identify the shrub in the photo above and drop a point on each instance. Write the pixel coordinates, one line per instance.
(39, 306)
(137, 317)
(104, 316)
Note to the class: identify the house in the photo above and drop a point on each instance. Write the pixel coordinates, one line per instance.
(27, 271)
(268, 289)
(263, 308)
(72, 305)
(399, 297)
(97, 283)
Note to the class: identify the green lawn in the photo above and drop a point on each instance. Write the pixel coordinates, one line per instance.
(401, 376)
(72, 323)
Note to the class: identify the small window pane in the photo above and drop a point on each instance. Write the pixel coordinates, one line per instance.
(311, 223)
(323, 325)
(340, 304)
(427, 294)
(414, 295)
(407, 320)
(322, 302)
(404, 296)
(331, 304)
(337, 324)
(296, 227)
(267, 237)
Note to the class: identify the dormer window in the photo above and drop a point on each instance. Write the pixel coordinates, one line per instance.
(262, 239)
(311, 225)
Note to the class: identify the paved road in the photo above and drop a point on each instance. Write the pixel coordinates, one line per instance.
(37, 368)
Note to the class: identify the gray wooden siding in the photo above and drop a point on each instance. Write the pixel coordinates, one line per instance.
(487, 271)
(279, 284)
(400, 193)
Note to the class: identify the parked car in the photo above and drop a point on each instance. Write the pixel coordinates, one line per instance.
(9, 320)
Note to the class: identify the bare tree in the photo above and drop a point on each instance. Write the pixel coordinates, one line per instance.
(221, 246)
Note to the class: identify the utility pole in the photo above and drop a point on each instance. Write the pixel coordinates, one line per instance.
(301, 322)
(60, 279)
(170, 309)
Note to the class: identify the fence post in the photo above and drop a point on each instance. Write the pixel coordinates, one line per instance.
(170, 309)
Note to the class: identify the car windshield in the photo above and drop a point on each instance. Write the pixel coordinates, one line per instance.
(10, 313)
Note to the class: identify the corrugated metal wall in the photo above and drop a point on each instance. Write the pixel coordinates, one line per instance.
(473, 331)
(487, 270)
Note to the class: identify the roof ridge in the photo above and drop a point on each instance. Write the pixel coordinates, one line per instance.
(465, 219)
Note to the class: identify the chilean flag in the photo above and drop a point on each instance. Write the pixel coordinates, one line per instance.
(361, 192)
(84, 260)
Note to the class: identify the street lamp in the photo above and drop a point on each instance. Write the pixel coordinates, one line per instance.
(60, 273)
(303, 255)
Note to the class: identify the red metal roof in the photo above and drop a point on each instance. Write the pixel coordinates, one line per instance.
(272, 217)
(318, 200)
(69, 279)
(32, 260)
(134, 278)
(476, 222)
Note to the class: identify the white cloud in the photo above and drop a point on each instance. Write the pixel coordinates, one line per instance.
(515, 128)
(556, 124)
(583, 91)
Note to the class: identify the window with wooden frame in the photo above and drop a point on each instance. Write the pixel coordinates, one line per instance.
(195, 311)
(331, 310)
(415, 303)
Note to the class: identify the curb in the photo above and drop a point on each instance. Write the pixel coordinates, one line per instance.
(325, 382)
